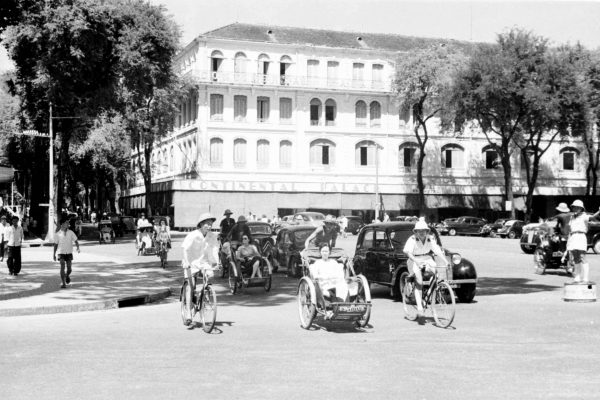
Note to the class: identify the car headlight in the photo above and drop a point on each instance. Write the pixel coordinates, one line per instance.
(456, 259)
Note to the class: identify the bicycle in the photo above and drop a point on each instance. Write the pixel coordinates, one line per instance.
(439, 297)
(204, 302)
(162, 253)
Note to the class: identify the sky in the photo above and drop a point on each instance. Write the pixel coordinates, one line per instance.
(475, 20)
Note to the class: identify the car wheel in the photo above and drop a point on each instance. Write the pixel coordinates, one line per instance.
(512, 235)
(294, 268)
(452, 232)
(596, 246)
(466, 292)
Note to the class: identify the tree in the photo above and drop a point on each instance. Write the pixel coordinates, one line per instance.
(422, 85)
(150, 89)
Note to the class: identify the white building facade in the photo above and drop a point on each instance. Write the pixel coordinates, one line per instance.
(289, 119)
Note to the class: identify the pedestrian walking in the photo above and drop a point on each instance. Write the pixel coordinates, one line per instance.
(13, 243)
(63, 244)
(3, 236)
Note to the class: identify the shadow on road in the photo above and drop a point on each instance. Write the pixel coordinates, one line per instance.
(496, 286)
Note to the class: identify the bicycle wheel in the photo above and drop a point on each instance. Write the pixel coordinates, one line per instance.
(361, 297)
(208, 309)
(306, 308)
(407, 288)
(185, 307)
(267, 275)
(442, 305)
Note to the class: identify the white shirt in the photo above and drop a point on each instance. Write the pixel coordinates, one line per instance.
(329, 272)
(64, 240)
(578, 228)
(143, 222)
(418, 248)
(199, 251)
(14, 236)
(3, 231)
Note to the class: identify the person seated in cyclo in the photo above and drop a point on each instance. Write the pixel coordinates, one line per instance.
(330, 276)
(163, 233)
(237, 231)
(419, 248)
(200, 253)
(249, 257)
(326, 233)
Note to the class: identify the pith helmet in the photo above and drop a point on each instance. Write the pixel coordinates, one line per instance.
(578, 203)
(562, 207)
(421, 225)
(204, 217)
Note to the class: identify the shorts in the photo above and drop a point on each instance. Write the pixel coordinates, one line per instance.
(65, 257)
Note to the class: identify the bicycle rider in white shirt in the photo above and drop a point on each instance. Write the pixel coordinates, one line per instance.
(419, 248)
(200, 253)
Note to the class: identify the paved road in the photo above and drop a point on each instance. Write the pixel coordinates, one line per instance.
(517, 340)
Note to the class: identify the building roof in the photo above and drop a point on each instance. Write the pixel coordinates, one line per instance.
(326, 38)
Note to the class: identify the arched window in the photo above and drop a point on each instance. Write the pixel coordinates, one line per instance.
(404, 114)
(322, 153)
(569, 157)
(527, 158)
(407, 156)
(216, 107)
(366, 153)
(164, 162)
(216, 152)
(216, 59)
(452, 156)
(312, 72)
(375, 114)
(361, 113)
(263, 67)
(285, 64)
(240, 108)
(491, 158)
(330, 112)
(285, 110)
(285, 154)
(315, 111)
(262, 153)
(171, 159)
(239, 67)
(184, 159)
(239, 152)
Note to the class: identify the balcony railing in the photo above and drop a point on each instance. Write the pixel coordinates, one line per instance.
(291, 80)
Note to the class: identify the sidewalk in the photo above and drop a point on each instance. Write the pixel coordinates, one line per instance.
(104, 276)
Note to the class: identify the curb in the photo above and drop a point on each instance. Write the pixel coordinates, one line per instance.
(122, 302)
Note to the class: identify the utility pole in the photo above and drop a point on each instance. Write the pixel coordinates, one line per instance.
(51, 213)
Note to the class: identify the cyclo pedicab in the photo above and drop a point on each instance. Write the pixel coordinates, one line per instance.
(144, 241)
(105, 231)
(240, 267)
(346, 299)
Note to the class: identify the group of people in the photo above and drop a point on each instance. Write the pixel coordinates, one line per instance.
(148, 233)
(12, 238)
(572, 227)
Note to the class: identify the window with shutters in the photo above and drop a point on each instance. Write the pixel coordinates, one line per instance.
(216, 107)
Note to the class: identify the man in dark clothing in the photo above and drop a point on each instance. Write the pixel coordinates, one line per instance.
(240, 229)
(226, 224)
(562, 225)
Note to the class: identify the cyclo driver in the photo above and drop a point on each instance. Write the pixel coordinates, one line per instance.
(200, 253)
(419, 248)
(324, 234)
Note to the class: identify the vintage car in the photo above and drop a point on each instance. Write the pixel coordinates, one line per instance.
(262, 235)
(442, 227)
(465, 226)
(308, 218)
(530, 237)
(354, 223)
(492, 228)
(285, 221)
(288, 245)
(513, 228)
(380, 257)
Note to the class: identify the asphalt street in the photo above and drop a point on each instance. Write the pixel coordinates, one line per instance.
(517, 340)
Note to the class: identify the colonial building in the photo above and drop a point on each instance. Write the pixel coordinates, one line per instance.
(288, 119)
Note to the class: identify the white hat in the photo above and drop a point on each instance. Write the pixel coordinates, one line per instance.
(421, 225)
(562, 207)
(578, 203)
(204, 216)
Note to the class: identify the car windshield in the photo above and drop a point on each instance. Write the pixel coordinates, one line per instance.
(260, 229)
(317, 217)
(399, 237)
(300, 236)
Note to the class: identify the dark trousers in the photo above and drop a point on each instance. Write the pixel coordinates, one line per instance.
(2, 247)
(14, 259)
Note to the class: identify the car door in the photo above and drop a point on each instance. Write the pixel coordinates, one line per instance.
(363, 245)
(377, 256)
(283, 246)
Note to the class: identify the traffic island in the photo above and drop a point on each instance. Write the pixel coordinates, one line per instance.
(582, 292)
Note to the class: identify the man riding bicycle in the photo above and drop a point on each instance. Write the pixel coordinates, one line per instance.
(200, 253)
(419, 249)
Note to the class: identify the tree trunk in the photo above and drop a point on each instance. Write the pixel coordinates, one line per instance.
(508, 189)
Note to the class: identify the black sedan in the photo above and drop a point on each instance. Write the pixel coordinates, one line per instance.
(492, 229)
(380, 257)
(531, 233)
(512, 229)
(262, 237)
(288, 245)
(465, 226)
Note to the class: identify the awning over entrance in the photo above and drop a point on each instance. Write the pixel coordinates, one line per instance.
(6, 174)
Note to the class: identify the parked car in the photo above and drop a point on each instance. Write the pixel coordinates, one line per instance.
(442, 227)
(288, 245)
(285, 221)
(262, 237)
(355, 223)
(380, 257)
(128, 223)
(492, 228)
(308, 218)
(465, 226)
(530, 236)
(512, 229)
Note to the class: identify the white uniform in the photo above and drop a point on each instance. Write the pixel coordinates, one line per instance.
(200, 252)
(578, 229)
(423, 250)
